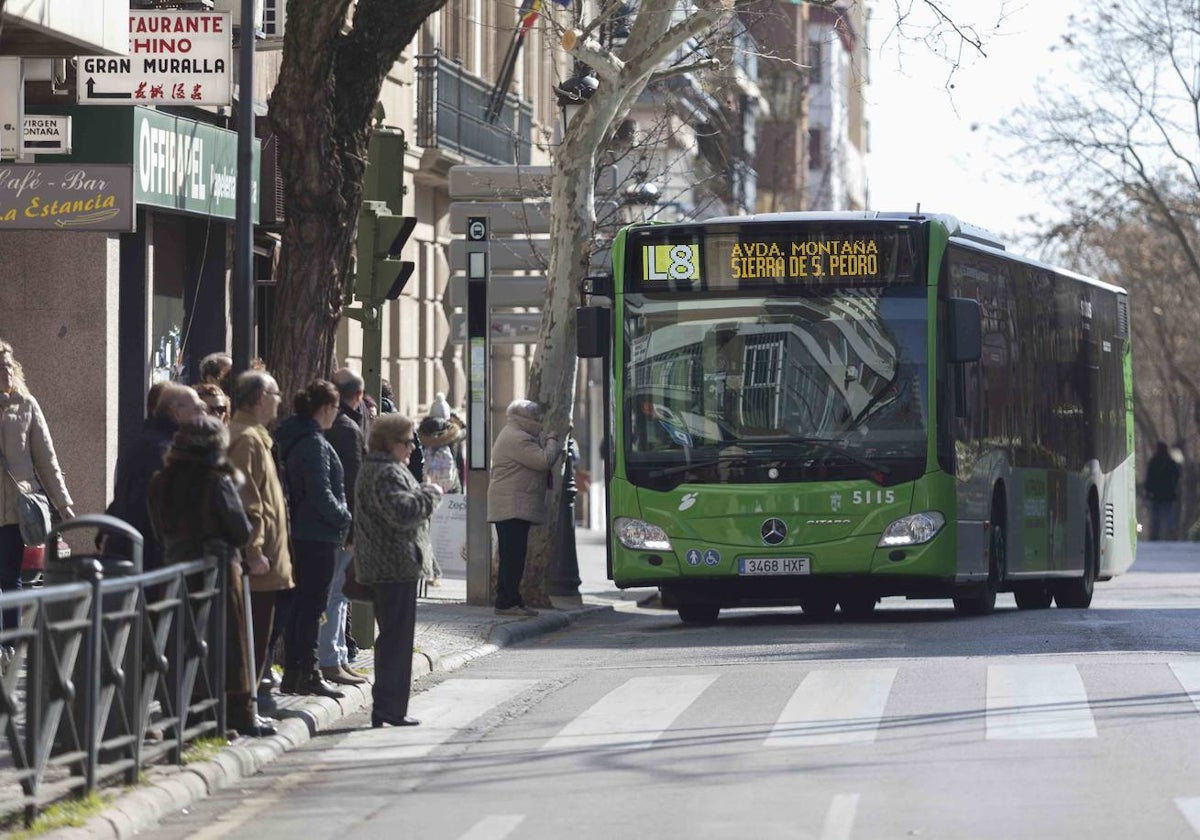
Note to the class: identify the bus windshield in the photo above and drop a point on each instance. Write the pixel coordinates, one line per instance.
(723, 388)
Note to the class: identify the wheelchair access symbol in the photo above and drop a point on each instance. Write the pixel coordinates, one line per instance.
(712, 557)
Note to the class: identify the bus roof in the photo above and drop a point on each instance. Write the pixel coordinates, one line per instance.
(959, 230)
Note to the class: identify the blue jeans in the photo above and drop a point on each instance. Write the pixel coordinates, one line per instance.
(331, 640)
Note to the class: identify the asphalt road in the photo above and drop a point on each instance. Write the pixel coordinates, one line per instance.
(915, 723)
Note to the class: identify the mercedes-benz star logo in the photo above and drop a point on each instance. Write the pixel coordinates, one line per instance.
(773, 531)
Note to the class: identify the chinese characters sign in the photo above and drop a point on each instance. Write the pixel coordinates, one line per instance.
(175, 58)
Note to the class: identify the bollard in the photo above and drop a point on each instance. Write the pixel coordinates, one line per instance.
(563, 579)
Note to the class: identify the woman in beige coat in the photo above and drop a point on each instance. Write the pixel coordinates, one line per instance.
(521, 460)
(30, 458)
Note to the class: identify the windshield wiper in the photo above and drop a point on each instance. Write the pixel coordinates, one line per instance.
(823, 456)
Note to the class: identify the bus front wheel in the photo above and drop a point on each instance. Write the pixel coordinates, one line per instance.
(698, 613)
(1076, 593)
(984, 601)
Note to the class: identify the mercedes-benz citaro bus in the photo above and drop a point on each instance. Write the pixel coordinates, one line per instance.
(824, 409)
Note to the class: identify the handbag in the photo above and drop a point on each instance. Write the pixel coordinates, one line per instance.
(354, 590)
(33, 511)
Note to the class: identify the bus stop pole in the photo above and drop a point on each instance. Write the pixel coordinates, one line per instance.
(479, 531)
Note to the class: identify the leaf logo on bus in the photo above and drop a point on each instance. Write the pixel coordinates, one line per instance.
(687, 501)
(670, 262)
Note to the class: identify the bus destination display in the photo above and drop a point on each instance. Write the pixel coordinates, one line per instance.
(754, 259)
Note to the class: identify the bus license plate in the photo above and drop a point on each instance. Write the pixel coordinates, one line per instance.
(774, 565)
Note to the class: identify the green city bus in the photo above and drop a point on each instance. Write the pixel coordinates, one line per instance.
(823, 409)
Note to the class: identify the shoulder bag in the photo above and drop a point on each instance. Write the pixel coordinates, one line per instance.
(33, 511)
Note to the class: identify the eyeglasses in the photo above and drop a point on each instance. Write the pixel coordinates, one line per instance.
(218, 410)
(273, 393)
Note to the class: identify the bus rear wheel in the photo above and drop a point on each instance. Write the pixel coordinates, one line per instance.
(1076, 593)
(1032, 595)
(698, 613)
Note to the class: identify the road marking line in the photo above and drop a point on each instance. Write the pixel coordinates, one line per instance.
(494, 827)
(443, 710)
(1035, 702)
(633, 715)
(834, 707)
(1188, 674)
(839, 821)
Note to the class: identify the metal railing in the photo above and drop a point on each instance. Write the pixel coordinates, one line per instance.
(100, 649)
(451, 104)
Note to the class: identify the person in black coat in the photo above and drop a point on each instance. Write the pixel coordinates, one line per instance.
(140, 460)
(348, 441)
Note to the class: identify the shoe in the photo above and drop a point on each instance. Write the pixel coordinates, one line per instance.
(260, 727)
(437, 581)
(340, 677)
(516, 610)
(353, 672)
(378, 720)
(314, 685)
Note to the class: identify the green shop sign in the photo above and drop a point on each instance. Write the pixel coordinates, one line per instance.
(178, 163)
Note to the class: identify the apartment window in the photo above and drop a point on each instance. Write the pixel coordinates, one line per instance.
(816, 61)
(816, 149)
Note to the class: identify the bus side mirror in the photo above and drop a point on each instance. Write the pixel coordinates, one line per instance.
(592, 325)
(965, 334)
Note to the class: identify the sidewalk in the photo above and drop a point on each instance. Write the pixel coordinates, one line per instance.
(449, 634)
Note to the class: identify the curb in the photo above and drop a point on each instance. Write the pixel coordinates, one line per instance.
(143, 807)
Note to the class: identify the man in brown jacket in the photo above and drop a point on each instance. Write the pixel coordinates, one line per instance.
(268, 558)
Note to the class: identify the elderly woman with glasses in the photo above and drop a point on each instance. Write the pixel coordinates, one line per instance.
(391, 554)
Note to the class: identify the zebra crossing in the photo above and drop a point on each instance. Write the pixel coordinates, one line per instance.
(847, 704)
(817, 706)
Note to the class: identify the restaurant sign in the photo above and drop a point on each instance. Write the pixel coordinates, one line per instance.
(66, 196)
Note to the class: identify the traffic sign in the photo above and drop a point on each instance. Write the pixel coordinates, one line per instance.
(175, 58)
(477, 228)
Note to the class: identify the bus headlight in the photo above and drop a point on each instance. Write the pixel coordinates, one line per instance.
(641, 536)
(914, 529)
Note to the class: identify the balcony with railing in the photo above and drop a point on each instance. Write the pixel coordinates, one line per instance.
(451, 115)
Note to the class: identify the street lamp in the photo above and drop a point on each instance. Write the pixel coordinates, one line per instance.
(575, 92)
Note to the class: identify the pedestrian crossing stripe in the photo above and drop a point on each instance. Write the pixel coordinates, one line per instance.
(633, 715)
(834, 707)
(1037, 702)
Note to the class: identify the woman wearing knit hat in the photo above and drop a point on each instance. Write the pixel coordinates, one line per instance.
(197, 512)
